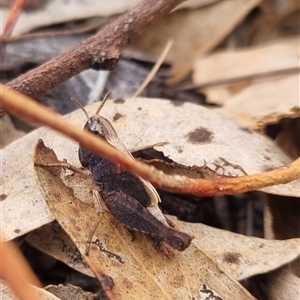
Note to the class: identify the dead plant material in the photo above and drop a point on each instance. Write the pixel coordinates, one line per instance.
(155, 68)
(25, 107)
(14, 14)
(100, 51)
(17, 273)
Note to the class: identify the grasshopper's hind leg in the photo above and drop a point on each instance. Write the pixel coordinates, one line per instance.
(89, 241)
(98, 200)
(100, 208)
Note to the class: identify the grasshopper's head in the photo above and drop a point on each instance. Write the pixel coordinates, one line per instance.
(95, 125)
(101, 127)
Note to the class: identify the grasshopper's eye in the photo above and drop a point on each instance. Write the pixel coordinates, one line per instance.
(94, 126)
(87, 126)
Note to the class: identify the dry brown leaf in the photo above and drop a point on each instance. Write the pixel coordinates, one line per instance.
(123, 266)
(276, 56)
(47, 14)
(7, 294)
(69, 291)
(283, 284)
(234, 79)
(264, 102)
(187, 127)
(281, 222)
(238, 255)
(194, 32)
(8, 132)
(54, 241)
(242, 256)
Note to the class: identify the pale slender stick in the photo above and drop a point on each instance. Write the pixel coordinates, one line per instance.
(154, 69)
(25, 107)
(17, 273)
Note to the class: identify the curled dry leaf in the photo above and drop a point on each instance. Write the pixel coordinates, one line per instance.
(284, 284)
(47, 13)
(113, 248)
(124, 266)
(242, 256)
(191, 135)
(191, 37)
(239, 255)
(281, 221)
(224, 66)
(267, 74)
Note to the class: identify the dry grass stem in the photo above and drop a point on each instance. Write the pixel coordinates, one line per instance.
(17, 273)
(155, 68)
(26, 108)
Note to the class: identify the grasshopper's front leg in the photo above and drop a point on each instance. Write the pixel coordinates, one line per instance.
(65, 165)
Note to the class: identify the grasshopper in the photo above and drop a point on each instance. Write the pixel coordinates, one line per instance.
(130, 199)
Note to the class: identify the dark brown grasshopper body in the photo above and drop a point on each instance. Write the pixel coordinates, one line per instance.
(128, 198)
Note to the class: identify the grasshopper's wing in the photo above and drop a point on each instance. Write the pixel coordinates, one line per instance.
(113, 139)
(151, 191)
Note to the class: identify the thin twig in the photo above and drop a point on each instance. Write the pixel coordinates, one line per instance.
(27, 108)
(233, 80)
(13, 16)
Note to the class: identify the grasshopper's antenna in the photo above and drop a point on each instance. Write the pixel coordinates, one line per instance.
(102, 103)
(80, 106)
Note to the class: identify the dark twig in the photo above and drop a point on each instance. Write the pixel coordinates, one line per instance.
(100, 51)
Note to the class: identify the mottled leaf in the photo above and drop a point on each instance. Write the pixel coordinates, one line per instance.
(186, 133)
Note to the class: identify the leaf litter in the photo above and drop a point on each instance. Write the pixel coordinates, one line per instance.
(20, 189)
(192, 38)
(271, 118)
(7, 294)
(242, 151)
(265, 73)
(123, 261)
(215, 255)
(46, 14)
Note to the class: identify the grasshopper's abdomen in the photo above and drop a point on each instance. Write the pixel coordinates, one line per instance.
(135, 216)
